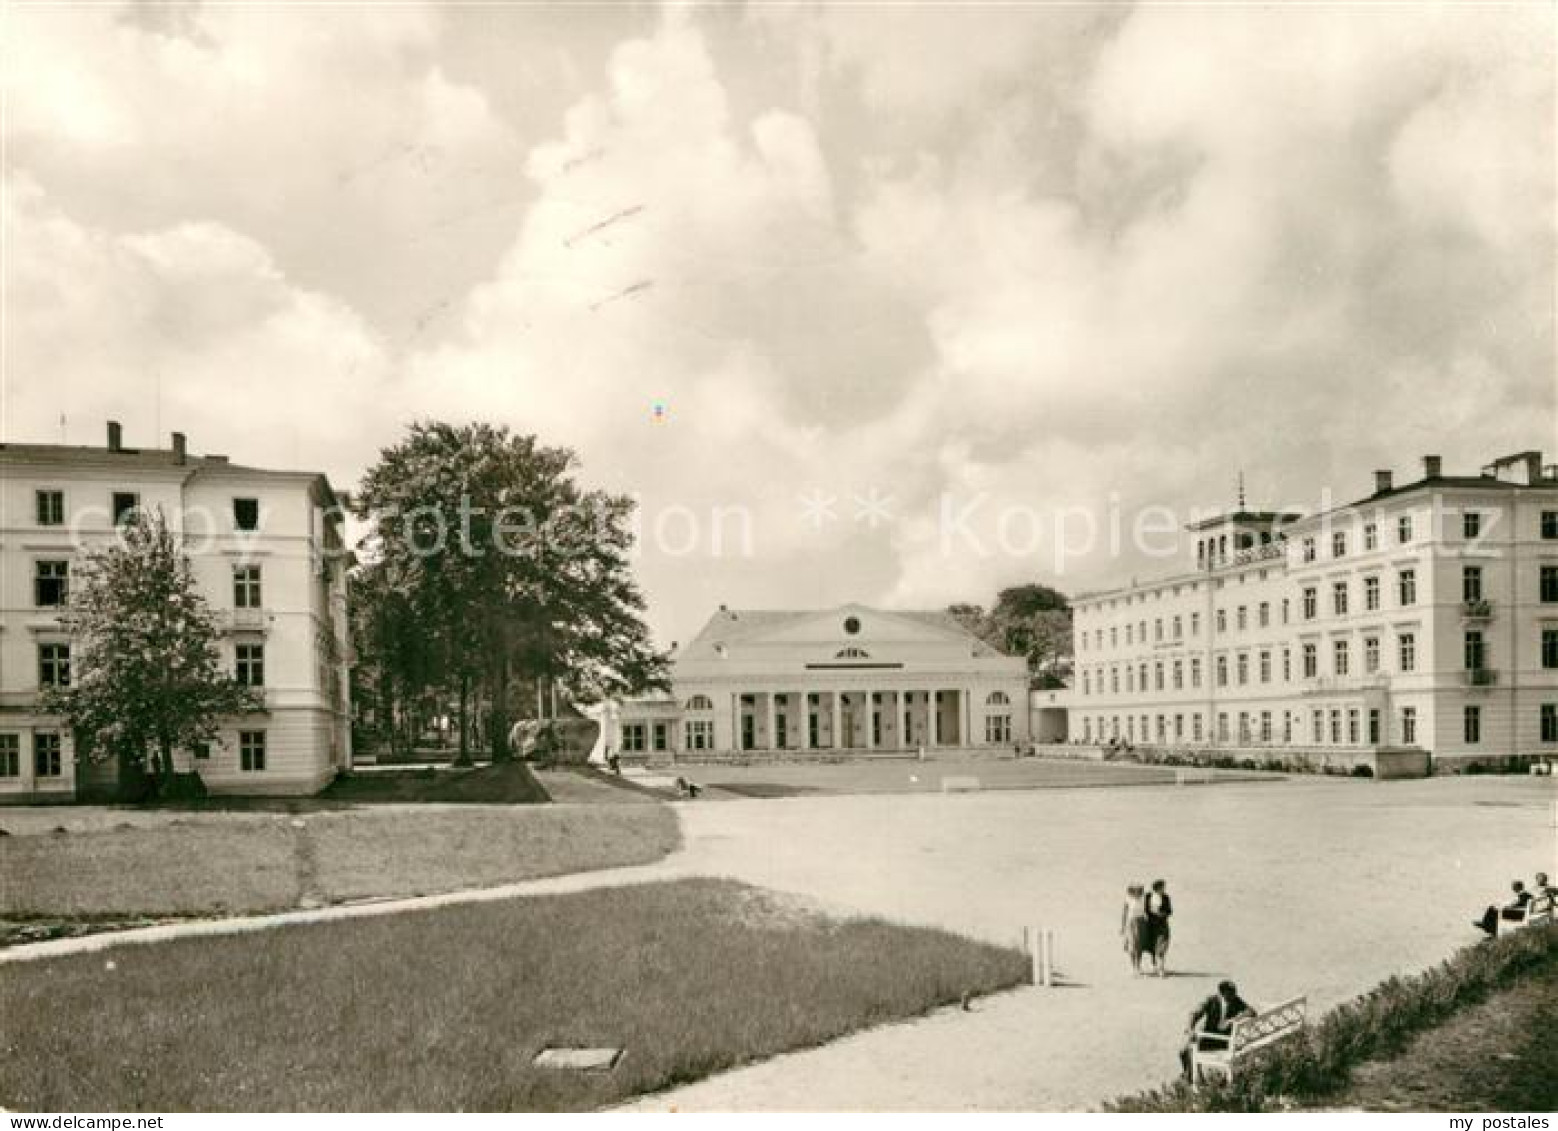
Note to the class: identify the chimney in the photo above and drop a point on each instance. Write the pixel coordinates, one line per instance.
(1381, 481)
(115, 436)
(1431, 467)
(180, 449)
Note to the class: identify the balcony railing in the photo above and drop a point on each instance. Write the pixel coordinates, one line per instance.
(1477, 610)
(247, 620)
(1481, 677)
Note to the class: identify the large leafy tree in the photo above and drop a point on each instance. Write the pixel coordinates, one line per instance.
(1032, 621)
(503, 569)
(146, 678)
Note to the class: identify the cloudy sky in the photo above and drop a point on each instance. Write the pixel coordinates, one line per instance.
(846, 270)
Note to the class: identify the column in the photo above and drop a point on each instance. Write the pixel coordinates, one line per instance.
(772, 740)
(933, 710)
(870, 720)
(969, 737)
(838, 720)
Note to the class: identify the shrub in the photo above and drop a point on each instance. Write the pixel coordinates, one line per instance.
(1378, 1024)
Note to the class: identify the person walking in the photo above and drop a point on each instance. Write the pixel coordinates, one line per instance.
(1159, 908)
(1133, 925)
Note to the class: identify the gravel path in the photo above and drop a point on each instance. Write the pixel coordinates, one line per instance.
(1308, 887)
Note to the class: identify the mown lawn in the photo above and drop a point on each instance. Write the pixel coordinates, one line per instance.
(252, 863)
(446, 1009)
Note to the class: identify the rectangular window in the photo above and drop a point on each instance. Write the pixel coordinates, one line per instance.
(1244, 726)
(1222, 671)
(1550, 524)
(54, 665)
(1352, 726)
(201, 751)
(50, 508)
(1243, 618)
(1407, 647)
(1404, 529)
(1409, 726)
(1265, 726)
(1287, 666)
(1265, 667)
(1471, 526)
(1265, 613)
(250, 668)
(1222, 726)
(1373, 726)
(1339, 544)
(1406, 586)
(1549, 589)
(46, 761)
(246, 587)
(1550, 722)
(1371, 537)
(1317, 727)
(1244, 668)
(246, 514)
(700, 733)
(1471, 584)
(1475, 651)
(1371, 593)
(1179, 628)
(632, 738)
(1285, 604)
(1195, 624)
(251, 751)
(1371, 654)
(1179, 670)
(1195, 673)
(1311, 661)
(1471, 725)
(1195, 728)
(1157, 676)
(51, 584)
(125, 504)
(1311, 603)
(1222, 620)
(1336, 726)
(998, 729)
(10, 755)
(1340, 657)
(1550, 647)
(1339, 598)
(1309, 549)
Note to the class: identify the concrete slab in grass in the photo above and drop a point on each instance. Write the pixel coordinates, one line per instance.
(579, 1060)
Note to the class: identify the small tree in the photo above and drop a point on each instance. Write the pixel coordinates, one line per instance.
(145, 677)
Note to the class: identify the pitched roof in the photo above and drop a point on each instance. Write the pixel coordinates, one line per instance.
(727, 626)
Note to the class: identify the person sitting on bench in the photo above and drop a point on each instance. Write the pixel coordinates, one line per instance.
(1211, 1025)
(685, 788)
(1513, 910)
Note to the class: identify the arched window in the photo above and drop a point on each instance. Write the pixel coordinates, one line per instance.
(700, 703)
(998, 699)
(852, 653)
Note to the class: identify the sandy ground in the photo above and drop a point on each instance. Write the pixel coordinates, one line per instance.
(1308, 886)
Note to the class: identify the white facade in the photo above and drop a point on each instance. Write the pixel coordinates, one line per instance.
(1420, 616)
(847, 679)
(278, 590)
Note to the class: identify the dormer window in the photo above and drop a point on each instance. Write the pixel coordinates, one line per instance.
(852, 653)
(852, 625)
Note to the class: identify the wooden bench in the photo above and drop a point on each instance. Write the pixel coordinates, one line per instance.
(1249, 1035)
(1534, 914)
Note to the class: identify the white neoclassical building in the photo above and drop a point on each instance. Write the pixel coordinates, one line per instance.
(267, 552)
(852, 678)
(1424, 615)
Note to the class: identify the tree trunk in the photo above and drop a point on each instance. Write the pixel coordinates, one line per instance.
(165, 754)
(499, 737)
(463, 758)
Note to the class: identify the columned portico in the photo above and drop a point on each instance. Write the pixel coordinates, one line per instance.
(848, 679)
